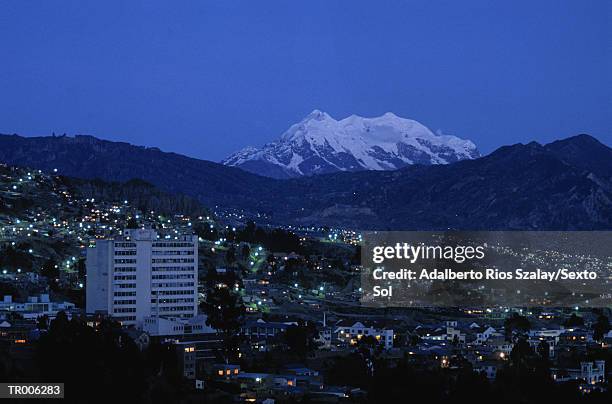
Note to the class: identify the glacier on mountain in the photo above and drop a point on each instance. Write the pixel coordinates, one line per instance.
(320, 144)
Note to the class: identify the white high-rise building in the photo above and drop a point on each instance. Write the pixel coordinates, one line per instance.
(141, 275)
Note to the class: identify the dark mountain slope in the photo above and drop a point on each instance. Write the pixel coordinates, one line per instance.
(23, 189)
(140, 194)
(586, 152)
(89, 157)
(562, 185)
(516, 187)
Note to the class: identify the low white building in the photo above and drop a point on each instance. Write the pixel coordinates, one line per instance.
(35, 307)
(534, 343)
(487, 333)
(353, 333)
(589, 372)
(176, 327)
(453, 333)
(547, 333)
(593, 372)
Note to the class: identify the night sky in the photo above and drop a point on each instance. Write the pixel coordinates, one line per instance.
(205, 78)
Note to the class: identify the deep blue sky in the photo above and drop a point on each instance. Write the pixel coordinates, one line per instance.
(206, 78)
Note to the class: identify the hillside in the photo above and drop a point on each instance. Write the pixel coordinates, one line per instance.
(516, 187)
(91, 158)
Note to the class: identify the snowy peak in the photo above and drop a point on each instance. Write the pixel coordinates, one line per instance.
(317, 115)
(320, 144)
(240, 156)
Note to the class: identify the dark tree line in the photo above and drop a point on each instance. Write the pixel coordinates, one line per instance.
(102, 364)
(273, 239)
(225, 313)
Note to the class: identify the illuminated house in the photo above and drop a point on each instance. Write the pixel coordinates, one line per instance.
(589, 372)
(352, 333)
(484, 334)
(196, 354)
(225, 371)
(263, 335)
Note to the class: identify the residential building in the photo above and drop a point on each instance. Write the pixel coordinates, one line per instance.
(141, 275)
(589, 372)
(35, 306)
(264, 335)
(352, 332)
(176, 327)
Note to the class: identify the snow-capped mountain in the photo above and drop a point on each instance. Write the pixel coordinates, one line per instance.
(320, 144)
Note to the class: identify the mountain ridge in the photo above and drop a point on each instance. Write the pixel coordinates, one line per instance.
(517, 187)
(85, 156)
(319, 144)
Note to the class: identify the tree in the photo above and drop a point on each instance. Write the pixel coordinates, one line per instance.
(8, 289)
(544, 350)
(367, 341)
(12, 257)
(574, 321)
(455, 341)
(245, 251)
(521, 353)
(43, 322)
(248, 233)
(206, 231)
(514, 323)
(131, 223)
(225, 311)
(230, 255)
(50, 270)
(103, 360)
(81, 268)
(300, 338)
(527, 376)
(350, 370)
(601, 327)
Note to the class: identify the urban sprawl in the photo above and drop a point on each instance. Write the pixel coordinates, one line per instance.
(221, 306)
